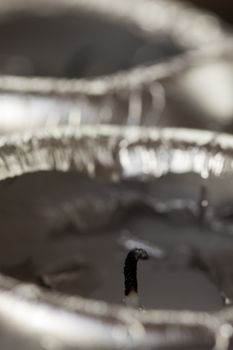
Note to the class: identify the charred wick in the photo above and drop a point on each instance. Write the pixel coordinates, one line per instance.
(130, 269)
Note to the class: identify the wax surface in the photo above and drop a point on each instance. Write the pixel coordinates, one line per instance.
(71, 234)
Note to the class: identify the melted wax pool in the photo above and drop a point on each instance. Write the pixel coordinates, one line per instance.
(69, 233)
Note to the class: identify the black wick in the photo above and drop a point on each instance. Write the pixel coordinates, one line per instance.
(130, 270)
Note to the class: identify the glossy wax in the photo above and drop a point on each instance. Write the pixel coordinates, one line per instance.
(71, 234)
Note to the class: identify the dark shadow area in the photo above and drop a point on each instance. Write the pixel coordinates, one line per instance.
(76, 45)
(223, 8)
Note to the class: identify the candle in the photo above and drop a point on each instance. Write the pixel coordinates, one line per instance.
(72, 234)
(76, 203)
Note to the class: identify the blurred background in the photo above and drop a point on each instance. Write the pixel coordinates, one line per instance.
(223, 9)
(143, 62)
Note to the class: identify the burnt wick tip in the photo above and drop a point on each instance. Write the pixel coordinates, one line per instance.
(130, 270)
(139, 254)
